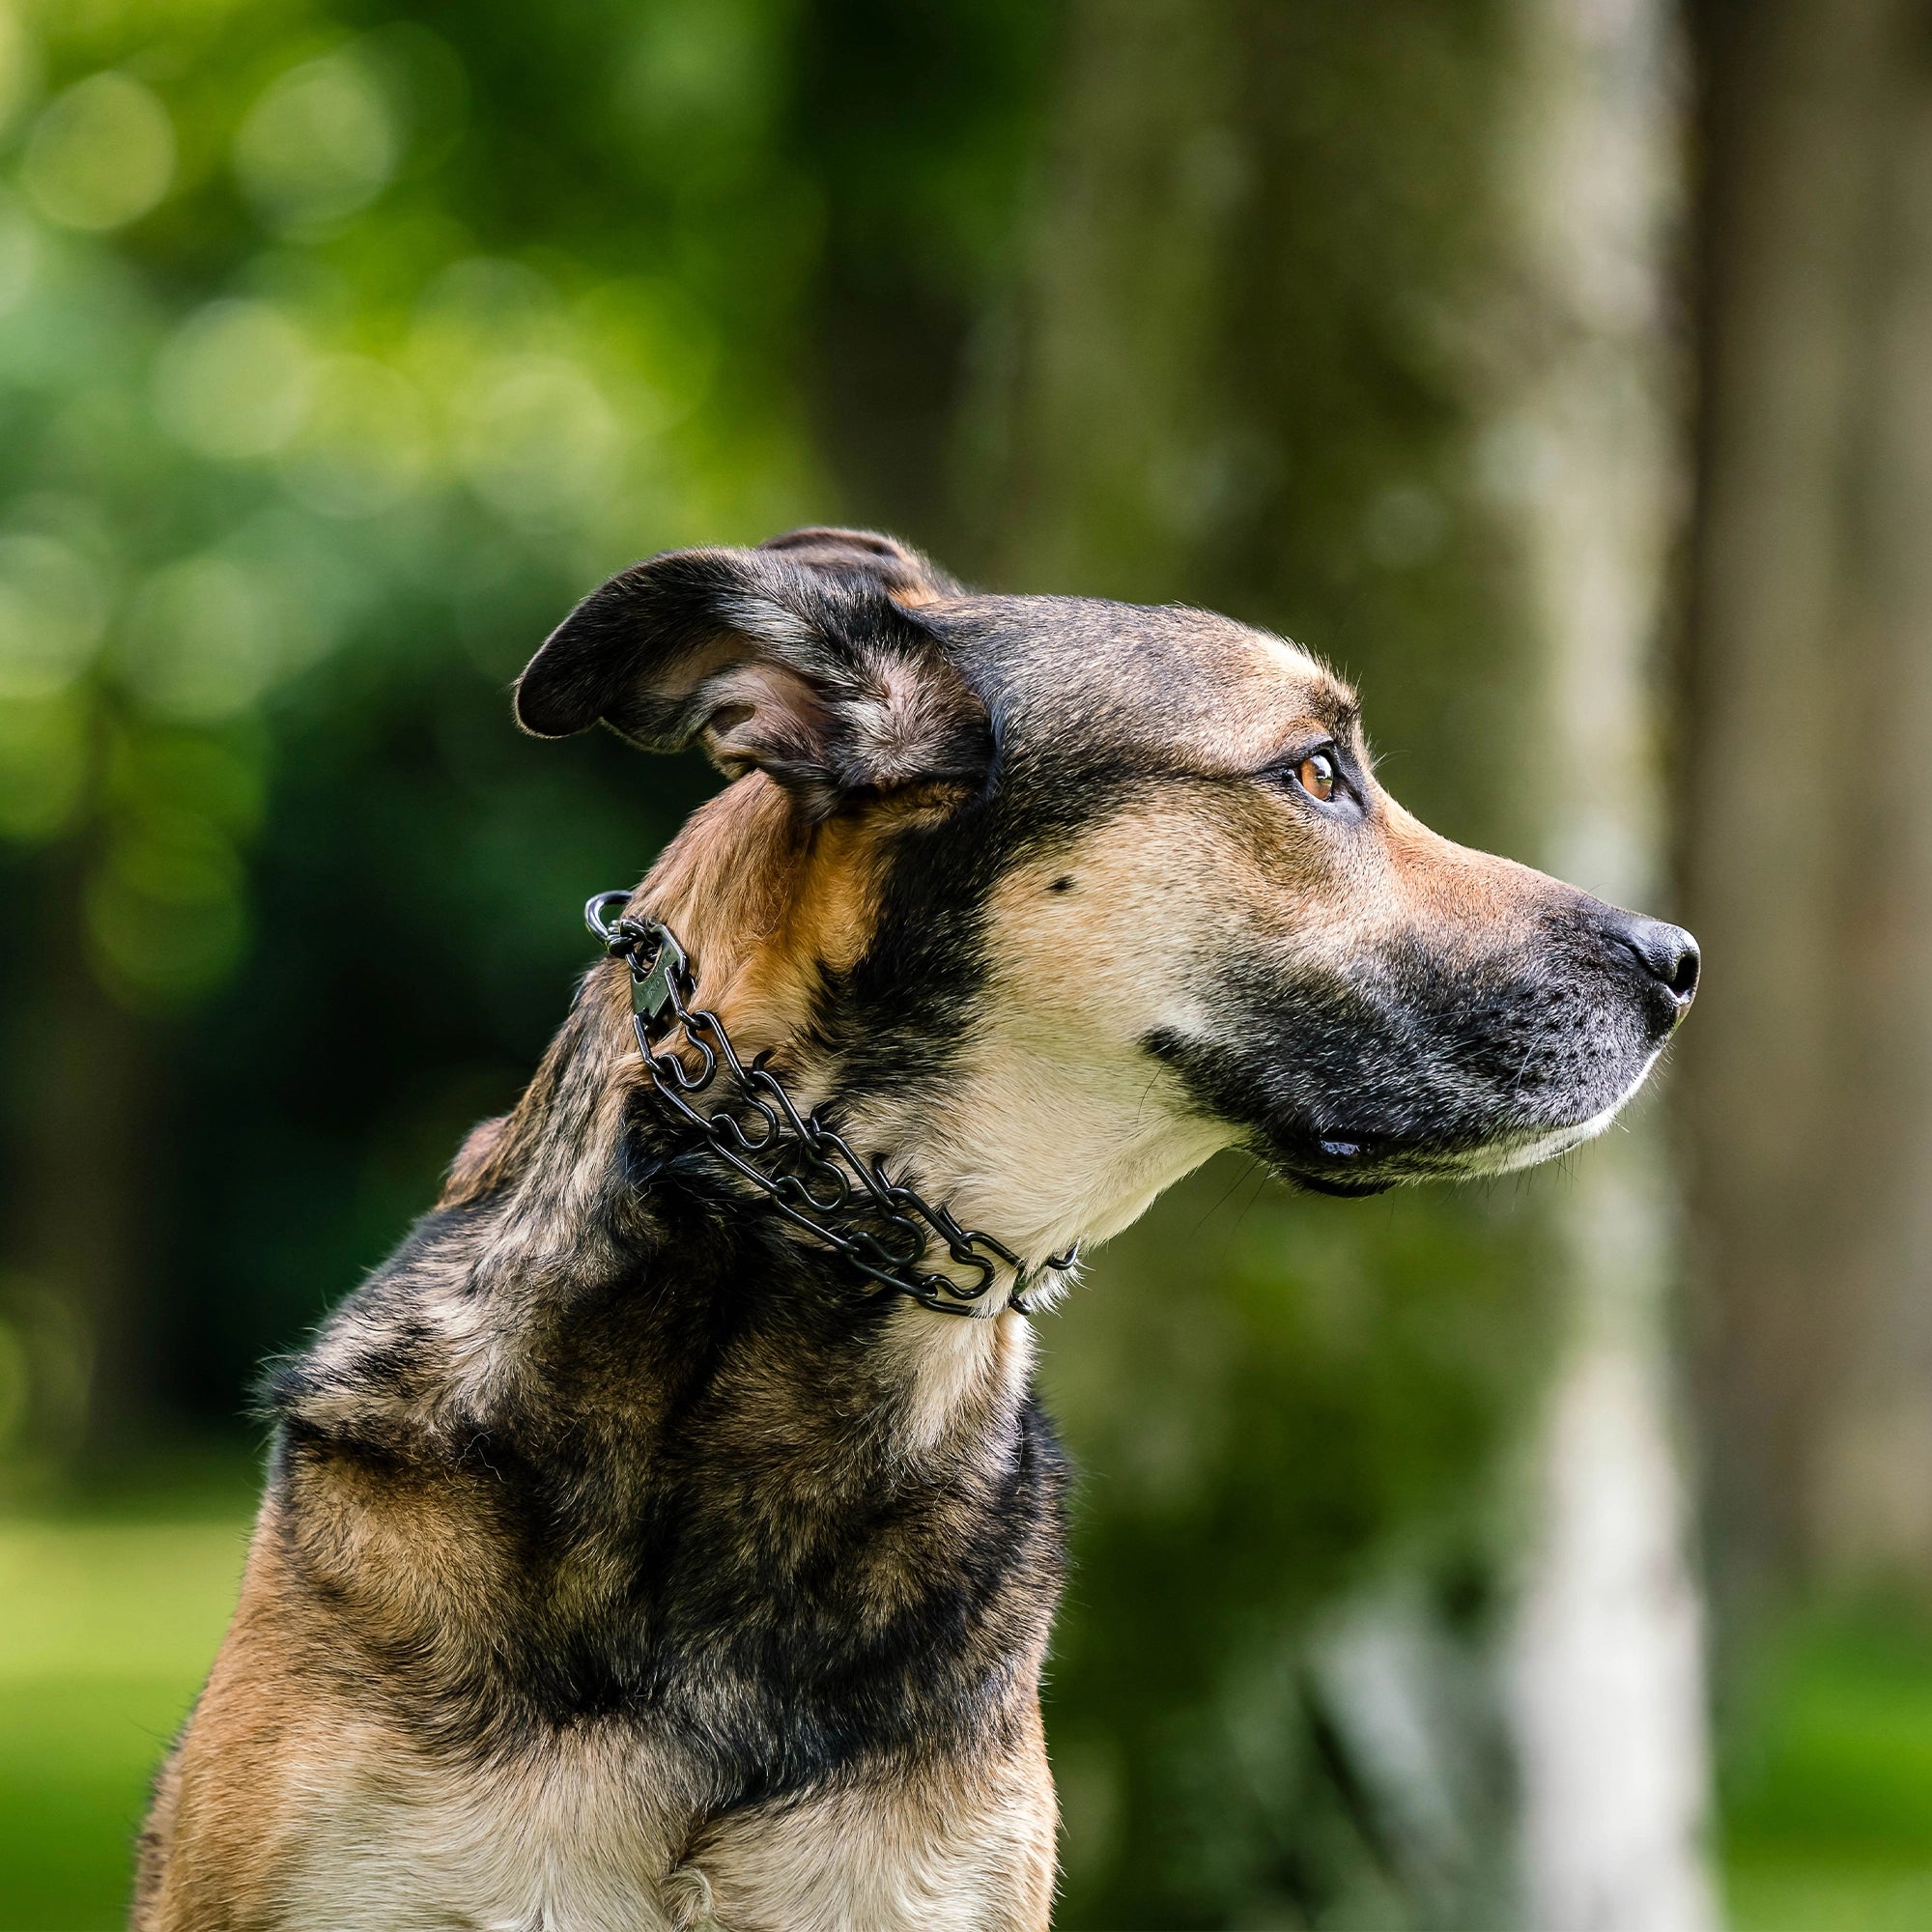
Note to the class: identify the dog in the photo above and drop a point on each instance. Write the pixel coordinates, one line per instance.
(650, 1543)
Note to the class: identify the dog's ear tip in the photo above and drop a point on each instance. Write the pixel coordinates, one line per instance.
(544, 709)
(565, 687)
(550, 730)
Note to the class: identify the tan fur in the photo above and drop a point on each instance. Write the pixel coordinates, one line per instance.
(1060, 1130)
(222, 1836)
(298, 1808)
(474, 1171)
(764, 900)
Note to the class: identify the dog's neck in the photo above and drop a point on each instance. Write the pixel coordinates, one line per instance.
(1035, 1137)
(1033, 1140)
(694, 1419)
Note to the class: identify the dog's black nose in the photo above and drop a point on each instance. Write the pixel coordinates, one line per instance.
(1667, 954)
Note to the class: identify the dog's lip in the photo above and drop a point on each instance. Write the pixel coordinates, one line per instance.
(1347, 1169)
(1340, 1163)
(1350, 1164)
(1546, 1146)
(1342, 1189)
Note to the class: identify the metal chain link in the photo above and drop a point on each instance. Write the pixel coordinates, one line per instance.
(810, 1173)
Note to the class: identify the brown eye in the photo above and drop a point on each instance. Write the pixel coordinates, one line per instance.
(1316, 776)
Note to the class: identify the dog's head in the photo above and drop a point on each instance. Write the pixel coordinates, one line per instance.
(1095, 885)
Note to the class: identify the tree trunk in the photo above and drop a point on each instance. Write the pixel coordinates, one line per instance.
(1111, 408)
(71, 1286)
(1606, 1670)
(1812, 1067)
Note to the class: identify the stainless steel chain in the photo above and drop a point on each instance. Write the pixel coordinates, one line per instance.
(810, 1173)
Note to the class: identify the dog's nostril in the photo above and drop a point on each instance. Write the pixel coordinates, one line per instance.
(1666, 953)
(1682, 980)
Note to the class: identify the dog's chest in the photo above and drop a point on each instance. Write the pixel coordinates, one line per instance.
(595, 1834)
(574, 1836)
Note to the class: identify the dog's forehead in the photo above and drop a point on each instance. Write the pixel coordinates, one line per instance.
(1187, 684)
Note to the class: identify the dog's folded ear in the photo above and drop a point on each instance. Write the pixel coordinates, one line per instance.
(806, 659)
(867, 557)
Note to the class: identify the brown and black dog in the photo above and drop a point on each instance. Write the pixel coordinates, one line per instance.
(626, 1561)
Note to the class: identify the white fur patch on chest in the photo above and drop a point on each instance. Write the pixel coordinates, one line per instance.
(584, 1836)
(917, 1854)
(573, 1838)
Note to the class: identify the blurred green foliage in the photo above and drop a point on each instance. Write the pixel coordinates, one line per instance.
(1269, 1695)
(1828, 1788)
(305, 359)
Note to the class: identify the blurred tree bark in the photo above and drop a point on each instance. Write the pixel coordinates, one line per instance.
(1812, 1067)
(1358, 327)
(72, 1273)
(1607, 1665)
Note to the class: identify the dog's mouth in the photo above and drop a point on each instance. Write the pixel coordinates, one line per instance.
(1419, 1070)
(1352, 1166)
(1357, 1188)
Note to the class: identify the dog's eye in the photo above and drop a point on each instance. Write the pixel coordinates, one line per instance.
(1316, 776)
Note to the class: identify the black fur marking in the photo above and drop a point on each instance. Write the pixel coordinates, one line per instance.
(1420, 1059)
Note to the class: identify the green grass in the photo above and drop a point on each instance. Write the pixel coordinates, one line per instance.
(1807, 1892)
(1828, 1799)
(108, 1621)
(106, 1629)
